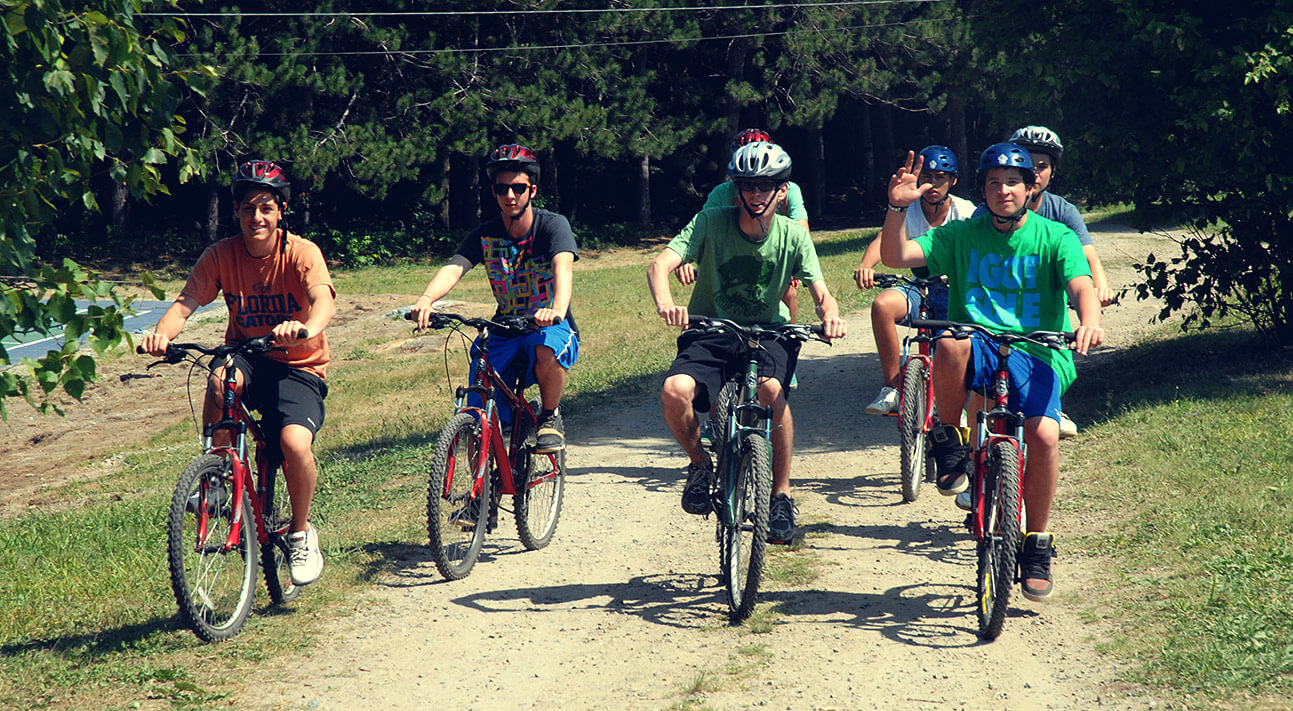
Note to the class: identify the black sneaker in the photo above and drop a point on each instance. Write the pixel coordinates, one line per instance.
(216, 499)
(951, 459)
(695, 493)
(781, 520)
(552, 433)
(1035, 565)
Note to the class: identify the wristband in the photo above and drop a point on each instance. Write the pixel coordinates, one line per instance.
(897, 208)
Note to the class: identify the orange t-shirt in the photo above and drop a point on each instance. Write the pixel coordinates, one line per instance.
(262, 293)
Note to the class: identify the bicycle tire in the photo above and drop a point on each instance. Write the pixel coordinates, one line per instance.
(911, 428)
(743, 543)
(214, 587)
(537, 506)
(999, 547)
(729, 396)
(456, 520)
(274, 557)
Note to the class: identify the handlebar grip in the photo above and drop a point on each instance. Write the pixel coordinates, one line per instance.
(139, 350)
(303, 333)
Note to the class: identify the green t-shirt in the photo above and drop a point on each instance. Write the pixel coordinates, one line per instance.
(740, 279)
(1014, 283)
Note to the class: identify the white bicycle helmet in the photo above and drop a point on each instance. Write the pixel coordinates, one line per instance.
(760, 160)
(1039, 139)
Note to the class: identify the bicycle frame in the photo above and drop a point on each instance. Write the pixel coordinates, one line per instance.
(486, 384)
(747, 416)
(236, 418)
(994, 424)
(924, 352)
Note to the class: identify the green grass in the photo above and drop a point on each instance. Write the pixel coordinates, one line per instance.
(1185, 457)
(1189, 463)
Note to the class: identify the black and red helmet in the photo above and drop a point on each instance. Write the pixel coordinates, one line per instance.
(750, 135)
(261, 174)
(513, 156)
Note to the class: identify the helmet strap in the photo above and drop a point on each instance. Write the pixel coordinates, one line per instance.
(509, 221)
(763, 217)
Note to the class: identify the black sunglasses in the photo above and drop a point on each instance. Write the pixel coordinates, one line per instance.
(759, 187)
(505, 188)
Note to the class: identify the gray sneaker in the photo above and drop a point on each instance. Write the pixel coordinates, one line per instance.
(781, 520)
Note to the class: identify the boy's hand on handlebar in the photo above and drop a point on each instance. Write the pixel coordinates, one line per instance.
(421, 312)
(864, 277)
(154, 344)
(833, 327)
(290, 333)
(673, 314)
(1086, 337)
(546, 317)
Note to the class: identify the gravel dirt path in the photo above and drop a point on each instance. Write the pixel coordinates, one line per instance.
(624, 609)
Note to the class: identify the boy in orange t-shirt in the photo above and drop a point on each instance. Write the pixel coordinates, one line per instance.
(273, 282)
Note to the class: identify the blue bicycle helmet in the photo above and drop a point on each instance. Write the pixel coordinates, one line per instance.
(1006, 155)
(937, 158)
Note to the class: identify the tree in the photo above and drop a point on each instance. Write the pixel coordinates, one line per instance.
(1182, 108)
(86, 91)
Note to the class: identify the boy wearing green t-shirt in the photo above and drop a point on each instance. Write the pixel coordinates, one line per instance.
(744, 260)
(1008, 270)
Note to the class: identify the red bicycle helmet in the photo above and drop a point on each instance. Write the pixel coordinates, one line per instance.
(513, 156)
(261, 174)
(750, 135)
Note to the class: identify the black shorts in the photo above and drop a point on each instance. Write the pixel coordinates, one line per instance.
(711, 359)
(283, 395)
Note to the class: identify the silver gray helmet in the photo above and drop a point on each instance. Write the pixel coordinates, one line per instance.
(760, 160)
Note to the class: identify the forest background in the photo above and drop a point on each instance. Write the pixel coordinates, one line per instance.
(122, 120)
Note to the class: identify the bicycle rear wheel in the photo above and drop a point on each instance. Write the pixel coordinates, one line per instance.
(214, 584)
(1000, 543)
(911, 427)
(456, 518)
(743, 543)
(540, 481)
(273, 553)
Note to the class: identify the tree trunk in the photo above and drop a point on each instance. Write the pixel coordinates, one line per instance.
(867, 141)
(959, 142)
(120, 205)
(446, 190)
(818, 162)
(644, 192)
(888, 149)
(211, 226)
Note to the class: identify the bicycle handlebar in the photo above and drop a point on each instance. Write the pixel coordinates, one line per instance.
(513, 324)
(1058, 340)
(257, 344)
(887, 280)
(790, 331)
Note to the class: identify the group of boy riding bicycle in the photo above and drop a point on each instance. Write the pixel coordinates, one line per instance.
(1009, 267)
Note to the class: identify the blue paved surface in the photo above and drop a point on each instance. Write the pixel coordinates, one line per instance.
(35, 345)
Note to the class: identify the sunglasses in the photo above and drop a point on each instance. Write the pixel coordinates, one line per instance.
(759, 187)
(505, 188)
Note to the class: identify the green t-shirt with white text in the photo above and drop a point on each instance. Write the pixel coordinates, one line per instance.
(740, 279)
(1010, 283)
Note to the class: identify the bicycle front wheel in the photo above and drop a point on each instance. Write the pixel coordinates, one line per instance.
(911, 427)
(1000, 543)
(214, 582)
(273, 553)
(456, 517)
(729, 396)
(540, 483)
(744, 541)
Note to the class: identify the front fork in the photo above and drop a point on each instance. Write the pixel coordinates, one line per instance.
(760, 417)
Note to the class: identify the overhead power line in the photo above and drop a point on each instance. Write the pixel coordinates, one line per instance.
(572, 11)
(615, 43)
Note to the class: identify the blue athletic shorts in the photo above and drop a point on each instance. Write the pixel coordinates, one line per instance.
(513, 357)
(1034, 386)
(938, 298)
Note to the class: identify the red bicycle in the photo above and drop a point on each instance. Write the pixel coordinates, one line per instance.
(916, 413)
(1000, 458)
(475, 463)
(211, 548)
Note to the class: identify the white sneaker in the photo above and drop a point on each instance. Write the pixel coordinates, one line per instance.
(304, 556)
(884, 403)
(1068, 428)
